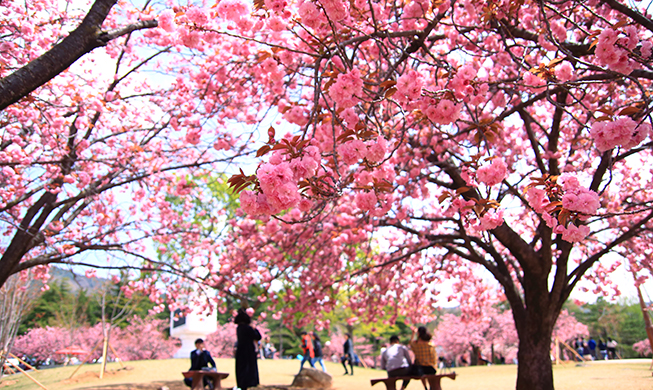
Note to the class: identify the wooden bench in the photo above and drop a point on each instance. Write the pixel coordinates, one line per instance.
(198, 378)
(434, 380)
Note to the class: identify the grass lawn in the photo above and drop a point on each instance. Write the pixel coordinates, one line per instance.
(153, 374)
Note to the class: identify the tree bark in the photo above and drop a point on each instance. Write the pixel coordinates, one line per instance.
(82, 40)
(534, 367)
(25, 233)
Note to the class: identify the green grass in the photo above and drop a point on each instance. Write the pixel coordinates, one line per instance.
(153, 374)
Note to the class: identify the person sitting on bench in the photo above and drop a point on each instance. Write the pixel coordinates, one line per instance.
(200, 359)
(425, 357)
(396, 361)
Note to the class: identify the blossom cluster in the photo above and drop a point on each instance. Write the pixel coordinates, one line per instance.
(278, 179)
(443, 112)
(409, 85)
(623, 132)
(575, 198)
(492, 219)
(612, 50)
(578, 198)
(346, 90)
(492, 174)
(353, 151)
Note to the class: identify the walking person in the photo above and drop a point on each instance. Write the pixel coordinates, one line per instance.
(425, 356)
(317, 351)
(246, 364)
(348, 354)
(307, 350)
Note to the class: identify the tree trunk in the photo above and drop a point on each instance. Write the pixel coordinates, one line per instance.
(534, 368)
(473, 355)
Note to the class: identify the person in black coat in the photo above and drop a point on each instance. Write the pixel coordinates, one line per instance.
(200, 359)
(246, 365)
(348, 354)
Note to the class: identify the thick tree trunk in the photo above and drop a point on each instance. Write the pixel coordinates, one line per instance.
(534, 370)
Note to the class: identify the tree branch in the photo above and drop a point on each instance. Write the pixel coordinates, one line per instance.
(86, 37)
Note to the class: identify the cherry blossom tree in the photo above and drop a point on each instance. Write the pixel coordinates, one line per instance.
(642, 347)
(42, 343)
(221, 343)
(98, 128)
(89, 152)
(143, 338)
(419, 136)
(493, 332)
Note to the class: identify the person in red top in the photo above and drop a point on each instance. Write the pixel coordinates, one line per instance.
(307, 348)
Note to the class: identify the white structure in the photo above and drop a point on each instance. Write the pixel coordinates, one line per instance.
(190, 328)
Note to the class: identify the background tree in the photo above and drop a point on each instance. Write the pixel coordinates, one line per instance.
(98, 126)
(89, 152)
(143, 338)
(643, 347)
(16, 298)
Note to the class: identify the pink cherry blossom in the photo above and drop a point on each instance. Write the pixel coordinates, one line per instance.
(584, 201)
(167, 20)
(366, 200)
(410, 85)
(490, 220)
(622, 132)
(573, 233)
(347, 89)
(492, 174)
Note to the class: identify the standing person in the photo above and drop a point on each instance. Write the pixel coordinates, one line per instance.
(348, 354)
(591, 345)
(603, 349)
(396, 361)
(269, 349)
(612, 348)
(246, 365)
(307, 350)
(425, 357)
(200, 359)
(317, 351)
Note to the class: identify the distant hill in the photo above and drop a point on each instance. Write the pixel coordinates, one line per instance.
(76, 281)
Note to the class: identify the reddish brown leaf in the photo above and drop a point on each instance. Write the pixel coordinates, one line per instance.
(263, 150)
(630, 111)
(390, 92)
(388, 84)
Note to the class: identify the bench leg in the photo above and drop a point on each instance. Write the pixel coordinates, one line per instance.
(434, 383)
(391, 385)
(198, 382)
(217, 383)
